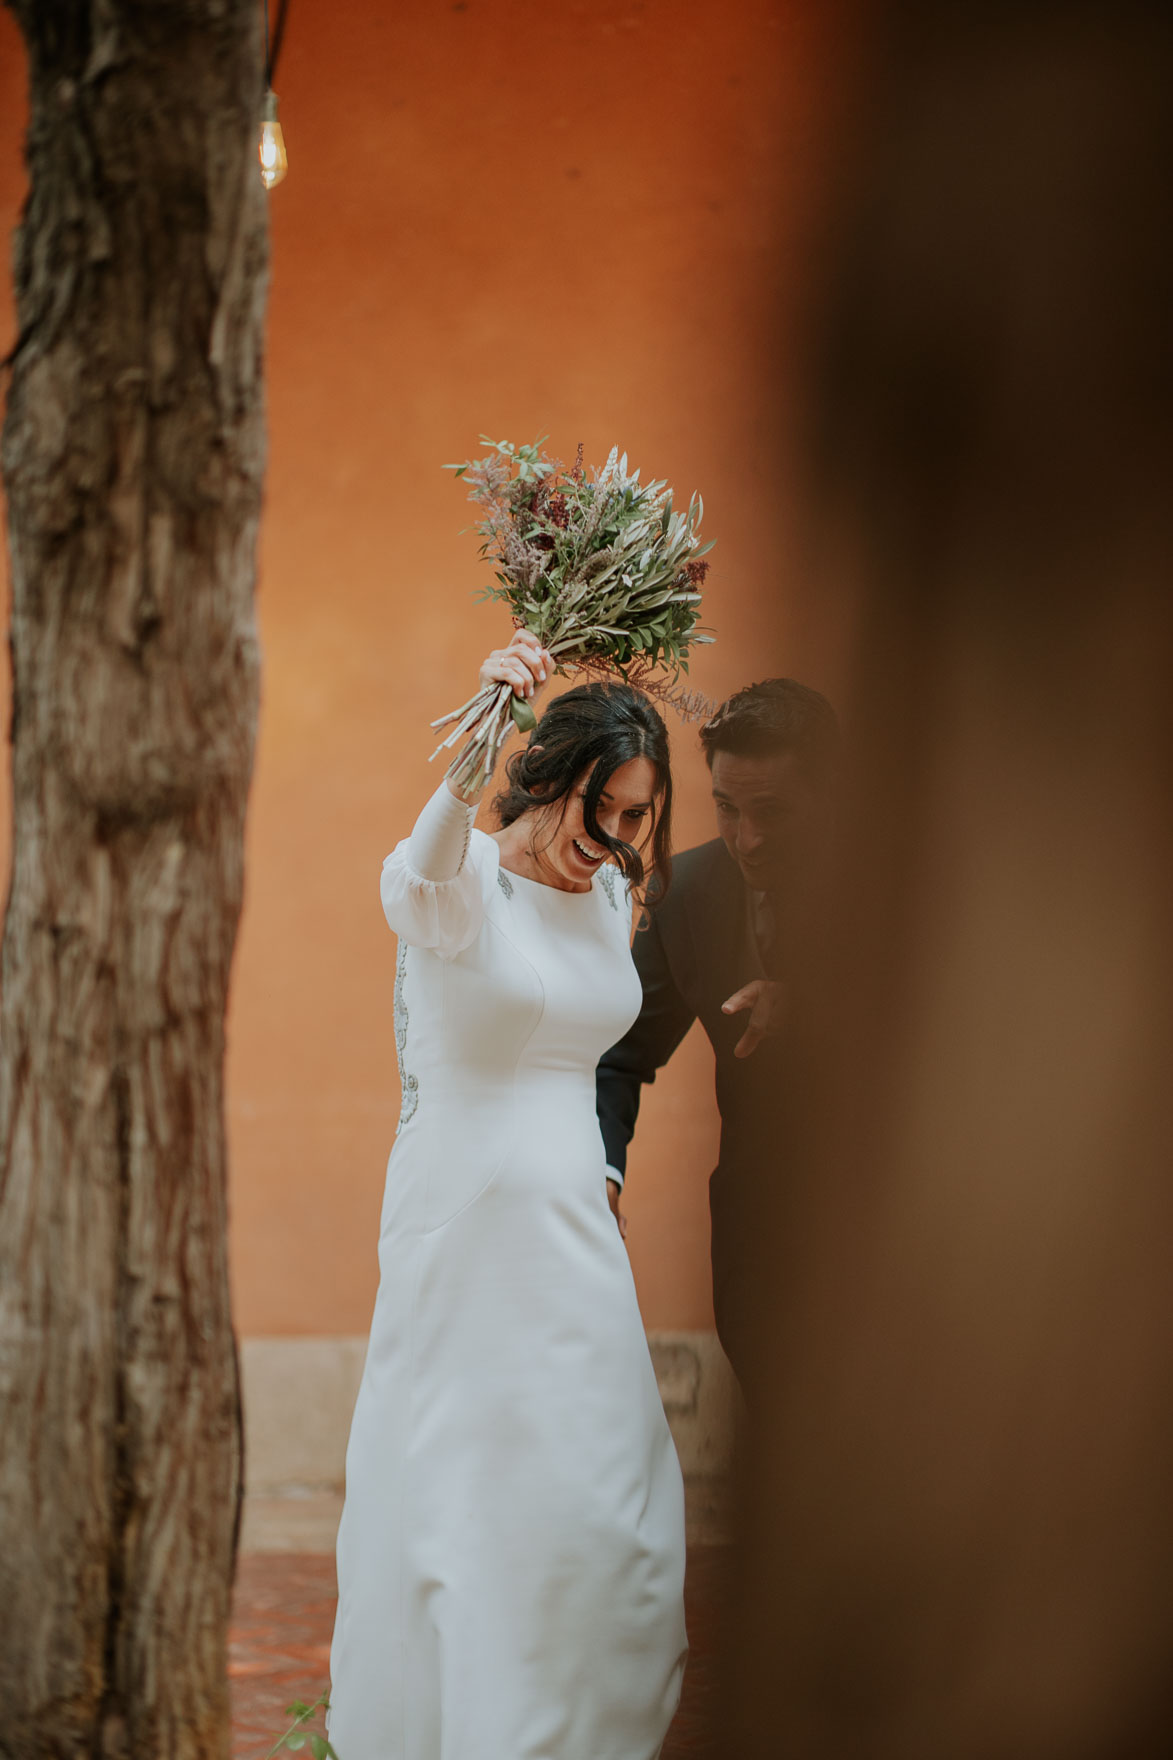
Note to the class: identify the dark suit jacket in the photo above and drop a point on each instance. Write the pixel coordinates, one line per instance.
(697, 949)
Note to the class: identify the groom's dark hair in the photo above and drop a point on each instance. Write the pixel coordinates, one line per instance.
(777, 715)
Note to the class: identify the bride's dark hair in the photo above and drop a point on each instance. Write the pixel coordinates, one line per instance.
(594, 728)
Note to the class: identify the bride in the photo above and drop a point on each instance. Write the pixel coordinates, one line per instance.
(511, 1553)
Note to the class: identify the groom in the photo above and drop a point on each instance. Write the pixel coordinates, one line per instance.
(717, 949)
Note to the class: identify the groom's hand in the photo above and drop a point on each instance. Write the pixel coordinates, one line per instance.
(613, 1191)
(763, 998)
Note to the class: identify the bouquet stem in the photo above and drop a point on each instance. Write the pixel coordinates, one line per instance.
(486, 720)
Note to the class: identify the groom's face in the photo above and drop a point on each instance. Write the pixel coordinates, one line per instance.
(770, 814)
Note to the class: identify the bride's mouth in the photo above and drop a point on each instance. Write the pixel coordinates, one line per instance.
(592, 861)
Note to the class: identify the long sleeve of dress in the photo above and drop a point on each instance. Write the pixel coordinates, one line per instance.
(431, 883)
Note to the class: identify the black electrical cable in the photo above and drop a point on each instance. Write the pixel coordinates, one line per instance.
(273, 44)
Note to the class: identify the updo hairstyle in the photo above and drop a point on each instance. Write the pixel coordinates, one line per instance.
(595, 728)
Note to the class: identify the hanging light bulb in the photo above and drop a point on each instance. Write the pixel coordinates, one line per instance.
(271, 150)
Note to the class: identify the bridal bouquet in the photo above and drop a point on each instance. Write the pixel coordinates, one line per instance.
(600, 567)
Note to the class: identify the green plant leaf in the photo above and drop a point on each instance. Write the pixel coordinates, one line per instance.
(523, 716)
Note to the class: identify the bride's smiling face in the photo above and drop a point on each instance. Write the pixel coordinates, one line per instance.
(563, 848)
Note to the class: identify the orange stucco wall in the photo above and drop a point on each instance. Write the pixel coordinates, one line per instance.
(587, 220)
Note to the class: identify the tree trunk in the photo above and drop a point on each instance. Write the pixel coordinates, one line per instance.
(133, 455)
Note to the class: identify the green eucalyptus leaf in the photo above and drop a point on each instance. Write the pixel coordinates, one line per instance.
(523, 716)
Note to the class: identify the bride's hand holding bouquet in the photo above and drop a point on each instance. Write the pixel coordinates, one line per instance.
(522, 670)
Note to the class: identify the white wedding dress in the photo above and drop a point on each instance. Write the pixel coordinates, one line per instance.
(511, 1554)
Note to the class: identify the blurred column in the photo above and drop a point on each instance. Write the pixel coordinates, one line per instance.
(961, 1501)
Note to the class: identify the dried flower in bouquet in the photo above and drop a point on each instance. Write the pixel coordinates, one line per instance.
(600, 567)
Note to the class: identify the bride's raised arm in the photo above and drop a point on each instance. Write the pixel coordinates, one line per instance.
(430, 890)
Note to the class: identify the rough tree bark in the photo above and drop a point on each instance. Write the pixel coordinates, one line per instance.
(133, 455)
